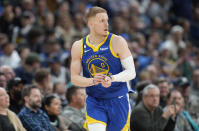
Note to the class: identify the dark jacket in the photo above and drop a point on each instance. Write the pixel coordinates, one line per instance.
(144, 120)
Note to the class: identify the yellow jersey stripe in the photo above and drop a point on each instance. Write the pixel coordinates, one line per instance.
(90, 120)
(127, 125)
(81, 48)
(95, 49)
(113, 53)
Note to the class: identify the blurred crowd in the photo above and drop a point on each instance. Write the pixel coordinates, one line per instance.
(35, 41)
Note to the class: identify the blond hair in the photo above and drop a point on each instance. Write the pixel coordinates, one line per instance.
(93, 11)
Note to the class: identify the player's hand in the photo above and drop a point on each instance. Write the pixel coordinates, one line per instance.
(98, 78)
(106, 82)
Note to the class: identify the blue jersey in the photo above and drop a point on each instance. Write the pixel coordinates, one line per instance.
(102, 59)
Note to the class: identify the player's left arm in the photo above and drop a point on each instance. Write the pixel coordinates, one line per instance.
(120, 47)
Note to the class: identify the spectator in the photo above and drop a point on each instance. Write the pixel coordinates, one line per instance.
(195, 82)
(34, 39)
(48, 51)
(64, 30)
(118, 26)
(15, 86)
(139, 87)
(60, 89)
(116, 6)
(20, 31)
(43, 80)
(8, 119)
(175, 42)
(49, 89)
(52, 106)
(79, 25)
(31, 116)
(3, 82)
(156, 25)
(49, 21)
(182, 123)
(10, 56)
(74, 111)
(41, 11)
(57, 71)
(27, 71)
(144, 75)
(8, 72)
(24, 51)
(184, 63)
(52, 49)
(153, 72)
(193, 105)
(149, 111)
(7, 18)
(183, 86)
(27, 5)
(63, 7)
(3, 40)
(164, 88)
(154, 41)
(158, 8)
(166, 60)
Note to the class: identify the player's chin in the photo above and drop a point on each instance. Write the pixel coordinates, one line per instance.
(105, 32)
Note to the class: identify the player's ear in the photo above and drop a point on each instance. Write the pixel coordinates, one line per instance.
(90, 22)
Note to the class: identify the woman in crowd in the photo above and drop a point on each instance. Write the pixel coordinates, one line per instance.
(8, 119)
(52, 106)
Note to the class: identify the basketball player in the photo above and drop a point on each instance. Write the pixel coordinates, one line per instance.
(107, 65)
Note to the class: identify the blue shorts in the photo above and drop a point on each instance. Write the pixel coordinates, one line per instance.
(113, 113)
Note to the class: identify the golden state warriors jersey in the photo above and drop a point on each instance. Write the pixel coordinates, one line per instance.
(102, 59)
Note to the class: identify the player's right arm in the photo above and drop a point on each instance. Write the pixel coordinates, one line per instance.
(76, 67)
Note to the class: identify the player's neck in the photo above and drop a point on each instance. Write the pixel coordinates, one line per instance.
(95, 39)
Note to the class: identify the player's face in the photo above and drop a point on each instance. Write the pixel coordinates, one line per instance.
(100, 24)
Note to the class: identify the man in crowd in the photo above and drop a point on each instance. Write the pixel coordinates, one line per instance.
(15, 86)
(149, 111)
(8, 72)
(31, 116)
(43, 81)
(164, 88)
(27, 71)
(76, 98)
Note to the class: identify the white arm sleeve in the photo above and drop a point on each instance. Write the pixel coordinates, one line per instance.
(128, 73)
